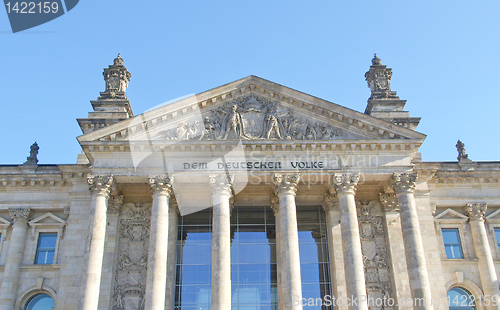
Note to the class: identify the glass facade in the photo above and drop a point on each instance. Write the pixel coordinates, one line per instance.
(40, 302)
(452, 245)
(253, 258)
(497, 237)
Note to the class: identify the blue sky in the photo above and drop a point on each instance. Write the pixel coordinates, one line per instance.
(445, 58)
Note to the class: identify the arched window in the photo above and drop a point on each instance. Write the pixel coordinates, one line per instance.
(40, 302)
(459, 299)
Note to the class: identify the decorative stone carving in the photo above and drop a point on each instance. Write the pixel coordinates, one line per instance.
(117, 78)
(161, 185)
(115, 203)
(274, 202)
(220, 184)
(251, 118)
(330, 202)
(461, 151)
(100, 184)
(374, 247)
(403, 182)
(345, 182)
(66, 212)
(379, 80)
(32, 160)
(389, 202)
(132, 259)
(476, 211)
(285, 184)
(20, 215)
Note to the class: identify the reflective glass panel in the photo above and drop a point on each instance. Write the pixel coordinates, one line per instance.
(41, 302)
(459, 299)
(452, 243)
(46, 248)
(497, 235)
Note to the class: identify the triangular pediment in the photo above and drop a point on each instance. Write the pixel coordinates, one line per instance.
(451, 215)
(47, 219)
(252, 109)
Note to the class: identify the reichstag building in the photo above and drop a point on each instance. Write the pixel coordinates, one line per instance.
(250, 196)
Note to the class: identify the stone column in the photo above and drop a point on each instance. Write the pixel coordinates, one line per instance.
(100, 188)
(404, 187)
(274, 202)
(487, 272)
(345, 185)
(335, 251)
(285, 187)
(173, 218)
(396, 249)
(12, 271)
(156, 280)
(220, 185)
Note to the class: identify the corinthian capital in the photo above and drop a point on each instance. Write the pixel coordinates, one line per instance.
(20, 215)
(389, 202)
(220, 184)
(161, 184)
(475, 211)
(345, 183)
(115, 203)
(330, 203)
(403, 182)
(285, 184)
(100, 184)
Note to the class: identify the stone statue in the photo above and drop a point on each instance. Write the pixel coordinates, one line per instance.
(233, 124)
(273, 125)
(32, 160)
(461, 151)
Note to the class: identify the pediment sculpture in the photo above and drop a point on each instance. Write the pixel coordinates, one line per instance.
(251, 118)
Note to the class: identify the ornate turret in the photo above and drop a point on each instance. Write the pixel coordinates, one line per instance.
(383, 102)
(112, 106)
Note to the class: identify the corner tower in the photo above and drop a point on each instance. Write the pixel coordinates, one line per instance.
(112, 106)
(383, 102)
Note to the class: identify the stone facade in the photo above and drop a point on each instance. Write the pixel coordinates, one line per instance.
(251, 143)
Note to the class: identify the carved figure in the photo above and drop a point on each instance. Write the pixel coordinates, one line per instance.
(310, 133)
(32, 159)
(461, 150)
(208, 132)
(233, 123)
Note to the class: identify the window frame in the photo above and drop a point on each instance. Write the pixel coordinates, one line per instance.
(493, 222)
(460, 243)
(4, 226)
(56, 225)
(457, 221)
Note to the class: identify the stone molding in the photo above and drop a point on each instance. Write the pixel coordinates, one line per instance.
(330, 203)
(344, 183)
(101, 185)
(403, 182)
(285, 184)
(161, 185)
(389, 202)
(20, 215)
(220, 184)
(475, 211)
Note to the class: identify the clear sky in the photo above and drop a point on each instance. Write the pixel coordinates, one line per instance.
(445, 58)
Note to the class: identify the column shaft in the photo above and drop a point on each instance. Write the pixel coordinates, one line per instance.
(487, 272)
(335, 251)
(221, 242)
(285, 187)
(277, 227)
(12, 271)
(345, 186)
(100, 187)
(171, 255)
(404, 186)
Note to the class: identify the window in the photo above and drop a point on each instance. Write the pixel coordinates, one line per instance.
(497, 235)
(452, 245)
(40, 302)
(459, 299)
(46, 248)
